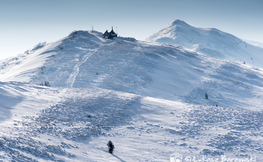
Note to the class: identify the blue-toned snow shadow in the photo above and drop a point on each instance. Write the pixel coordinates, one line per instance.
(7, 102)
(118, 158)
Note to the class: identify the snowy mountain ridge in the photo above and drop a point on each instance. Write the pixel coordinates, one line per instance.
(147, 97)
(255, 43)
(209, 41)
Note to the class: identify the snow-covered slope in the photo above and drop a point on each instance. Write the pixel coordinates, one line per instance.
(255, 43)
(86, 60)
(4, 59)
(148, 98)
(209, 41)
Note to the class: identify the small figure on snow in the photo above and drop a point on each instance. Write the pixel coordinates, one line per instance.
(110, 146)
(206, 96)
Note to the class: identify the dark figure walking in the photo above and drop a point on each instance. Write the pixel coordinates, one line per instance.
(111, 147)
(206, 96)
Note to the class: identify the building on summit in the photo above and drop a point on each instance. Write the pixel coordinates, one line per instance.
(109, 35)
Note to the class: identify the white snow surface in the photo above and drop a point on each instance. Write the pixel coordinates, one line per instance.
(209, 41)
(148, 98)
(255, 43)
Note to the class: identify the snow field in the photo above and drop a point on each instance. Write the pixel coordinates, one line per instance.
(141, 128)
(148, 98)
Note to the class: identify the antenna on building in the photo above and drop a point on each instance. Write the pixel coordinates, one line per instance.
(92, 28)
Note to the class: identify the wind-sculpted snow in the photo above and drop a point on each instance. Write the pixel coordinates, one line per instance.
(196, 131)
(239, 127)
(18, 148)
(64, 101)
(77, 129)
(76, 119)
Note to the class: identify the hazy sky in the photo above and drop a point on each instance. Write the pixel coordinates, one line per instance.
(25, 23)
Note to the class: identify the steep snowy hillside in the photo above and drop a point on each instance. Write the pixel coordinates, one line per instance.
(148, 98)
(209, 41)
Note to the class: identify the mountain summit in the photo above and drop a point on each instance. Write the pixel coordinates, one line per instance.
(179, 22)
(64, 101)
(84, 59)
(209, 41)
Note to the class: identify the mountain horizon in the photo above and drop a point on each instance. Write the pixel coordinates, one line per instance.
(209, 41)
(63, 101)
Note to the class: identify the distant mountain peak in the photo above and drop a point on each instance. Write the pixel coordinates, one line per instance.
(179, 22)
(209, 41)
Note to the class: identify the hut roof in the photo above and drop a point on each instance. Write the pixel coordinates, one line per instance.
(106, 33)
(112, 32)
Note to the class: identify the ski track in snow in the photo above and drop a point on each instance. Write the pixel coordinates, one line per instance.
(147, 98)
(73, 76)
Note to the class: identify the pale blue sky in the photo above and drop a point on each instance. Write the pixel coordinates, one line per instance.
(25, 23)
